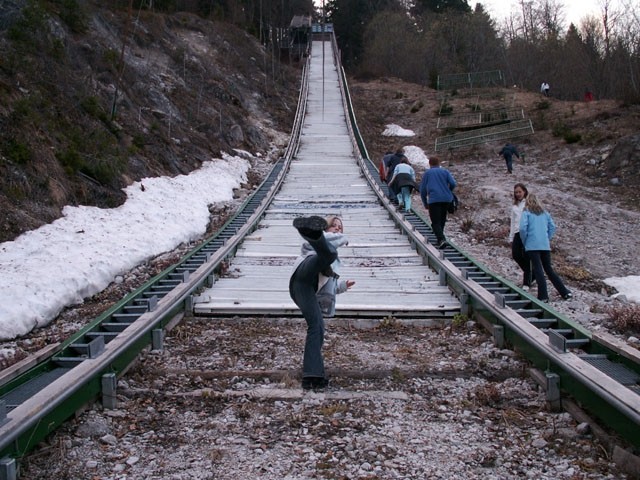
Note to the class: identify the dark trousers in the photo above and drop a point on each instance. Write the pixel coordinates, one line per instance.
(393, 191)
(509, 161)
(303, 286)
(519, 254)
(541, 262)
(438, 216)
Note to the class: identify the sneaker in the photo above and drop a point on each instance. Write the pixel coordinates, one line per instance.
(310, 227)
(315, 383)
(567, 296)
(526, 288)
(442, 244)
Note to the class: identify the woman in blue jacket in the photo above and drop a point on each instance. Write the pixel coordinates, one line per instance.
(536, 230)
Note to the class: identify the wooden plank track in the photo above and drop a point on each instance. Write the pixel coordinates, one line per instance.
(324, 179)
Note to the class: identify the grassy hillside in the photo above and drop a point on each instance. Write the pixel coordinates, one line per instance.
(93, 98)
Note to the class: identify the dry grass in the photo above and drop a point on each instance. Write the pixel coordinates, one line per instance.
(625, 318)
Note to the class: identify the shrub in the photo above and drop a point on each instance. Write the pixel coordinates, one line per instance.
(417, 106)
(70, 159)
(92, 106)
(625, 318)
(72, 14)
(543, 105)
(466, 225)
(17, 152)
(104, 171)
(572, 137)
(562, 130)
(445, 109)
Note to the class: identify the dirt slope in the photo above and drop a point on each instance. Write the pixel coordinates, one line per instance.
(589, 186)
(91, 102)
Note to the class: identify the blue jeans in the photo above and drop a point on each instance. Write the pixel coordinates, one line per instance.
(541, 262)
(303, 286)
(404, 198)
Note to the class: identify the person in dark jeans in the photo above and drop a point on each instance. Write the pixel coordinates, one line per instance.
(508, 151)
(518, 253)
(312, 271)
(536, 230)
(390, 165)
(436, 192)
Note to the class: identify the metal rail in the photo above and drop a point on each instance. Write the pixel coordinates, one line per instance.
(480, 118)
(599, 372)
(511, 129)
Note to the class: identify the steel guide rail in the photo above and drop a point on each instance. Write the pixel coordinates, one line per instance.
(106, 348)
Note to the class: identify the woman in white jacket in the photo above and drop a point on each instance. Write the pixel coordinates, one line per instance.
(518, 252)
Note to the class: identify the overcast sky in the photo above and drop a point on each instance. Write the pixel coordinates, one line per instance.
(573, 10)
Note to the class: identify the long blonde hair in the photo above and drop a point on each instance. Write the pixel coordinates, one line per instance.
(533, 204)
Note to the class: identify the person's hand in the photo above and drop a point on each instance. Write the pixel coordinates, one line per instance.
(350, 283)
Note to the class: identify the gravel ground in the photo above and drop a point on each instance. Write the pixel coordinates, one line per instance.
(222, 401)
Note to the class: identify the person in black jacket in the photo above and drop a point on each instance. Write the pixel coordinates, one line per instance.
(391, 164)
(404, 181)
(508, 151)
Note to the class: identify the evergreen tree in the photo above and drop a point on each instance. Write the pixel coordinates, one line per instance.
(440, 6)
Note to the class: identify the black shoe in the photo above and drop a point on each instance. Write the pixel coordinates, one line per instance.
(442, 244)
(567, 296)
(310, 227)
(315, 383)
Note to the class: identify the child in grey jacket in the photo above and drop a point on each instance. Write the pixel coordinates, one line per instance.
(329, 284)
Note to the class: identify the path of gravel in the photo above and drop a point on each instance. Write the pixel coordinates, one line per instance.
(223, 402)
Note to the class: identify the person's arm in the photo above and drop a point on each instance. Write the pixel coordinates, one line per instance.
(336, 239)
(551, 227)
(524, 224)
(393, 178)
(452, 181)
(512, 224)
(344, 285)
(423, 190)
